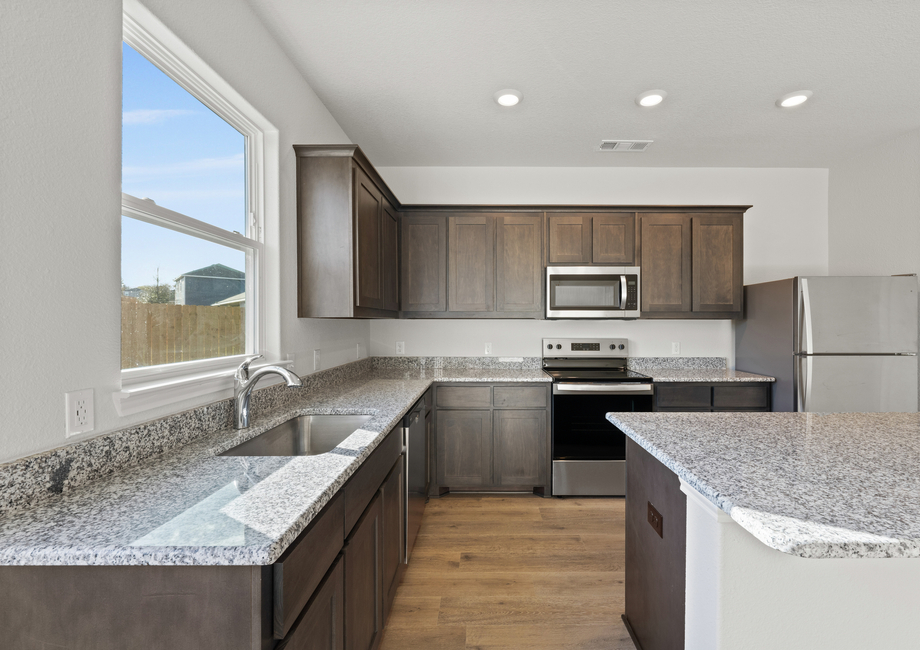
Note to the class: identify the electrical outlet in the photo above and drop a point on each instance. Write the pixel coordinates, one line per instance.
(79, 405)
(675, 348)
(400, 347)
(315, 360)
(488, 348)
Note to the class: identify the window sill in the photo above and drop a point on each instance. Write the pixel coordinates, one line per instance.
(139, 395)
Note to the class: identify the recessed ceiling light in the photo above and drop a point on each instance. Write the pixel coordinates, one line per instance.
(508, 97)
(793, 99)
(651, 98)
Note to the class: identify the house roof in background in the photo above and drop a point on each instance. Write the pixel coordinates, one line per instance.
(412, 81)
(215, 271)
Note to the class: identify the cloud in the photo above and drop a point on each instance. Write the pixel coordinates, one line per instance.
(226, 163)
(151, 116)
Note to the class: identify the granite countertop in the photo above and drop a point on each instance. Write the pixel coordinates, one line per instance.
(190, 507)
(664, 375)
(815, 485)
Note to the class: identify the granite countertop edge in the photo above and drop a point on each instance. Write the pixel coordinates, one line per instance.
(789, 535)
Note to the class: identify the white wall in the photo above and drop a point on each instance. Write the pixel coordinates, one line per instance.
(61, 171)
(874, 210)
(785, 234)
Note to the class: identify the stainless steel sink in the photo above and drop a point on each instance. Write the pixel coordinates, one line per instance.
(307, 435)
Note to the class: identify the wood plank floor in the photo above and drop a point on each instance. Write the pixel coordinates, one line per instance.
(513, 571)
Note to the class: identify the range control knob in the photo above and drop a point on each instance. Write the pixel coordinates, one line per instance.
(558, 346)
(622, 347)
(549, 346)
(613, 347)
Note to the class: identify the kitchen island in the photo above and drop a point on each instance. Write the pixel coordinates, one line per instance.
(802, 530)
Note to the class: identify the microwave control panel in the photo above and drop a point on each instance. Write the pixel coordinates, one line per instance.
(632, 292)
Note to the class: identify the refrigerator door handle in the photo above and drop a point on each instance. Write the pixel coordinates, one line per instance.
(806, 317)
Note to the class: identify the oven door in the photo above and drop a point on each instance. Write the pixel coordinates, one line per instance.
(592, 292)
(581, 430)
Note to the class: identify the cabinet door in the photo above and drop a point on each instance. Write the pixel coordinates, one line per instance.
(368, 278)
(471, 253)
(569, 238)
(464, 448)
(363, 579)
(614, 239)
(393, 495)
(389, 258)
(518, 263)
(321, 626)
(424, 263)
(520, 447)
(718, 251)
(665, 263)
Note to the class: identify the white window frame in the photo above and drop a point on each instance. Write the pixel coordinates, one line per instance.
(156, 386)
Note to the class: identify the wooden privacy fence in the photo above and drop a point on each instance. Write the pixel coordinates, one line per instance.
(152, 334)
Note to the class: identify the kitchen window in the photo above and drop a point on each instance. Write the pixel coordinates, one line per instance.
(192, 244)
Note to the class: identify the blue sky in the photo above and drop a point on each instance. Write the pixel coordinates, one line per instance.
(177, 152)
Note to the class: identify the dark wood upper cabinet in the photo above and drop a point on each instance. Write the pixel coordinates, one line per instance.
(569, 238)
(471, 258)
(665, 263)
(692, 265)
(614, 239)
(717, 262)
(587, 238)
(347, 236)
(423, 264)
(389, 261)
(368, 242)
(518, 264)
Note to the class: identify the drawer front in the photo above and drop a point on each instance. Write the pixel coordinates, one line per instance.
(322, 624)
(740, 397)
(683, 396)
(464, 397)
(363, 485)
(303, 565)
(520, 397)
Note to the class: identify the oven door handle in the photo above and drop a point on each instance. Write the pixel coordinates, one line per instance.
(562, 388)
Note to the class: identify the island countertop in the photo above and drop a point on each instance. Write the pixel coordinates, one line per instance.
(815, 485)
(189, 506)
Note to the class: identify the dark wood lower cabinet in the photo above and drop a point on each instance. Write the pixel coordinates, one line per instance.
(520, 447)
(321, 626)
(655, 564)
(464, 441)
(363, 557)
(713, 396)
(392, 493)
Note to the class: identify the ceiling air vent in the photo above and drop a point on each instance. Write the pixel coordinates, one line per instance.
(624, 145)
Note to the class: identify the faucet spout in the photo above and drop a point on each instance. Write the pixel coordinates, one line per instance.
(244, 382)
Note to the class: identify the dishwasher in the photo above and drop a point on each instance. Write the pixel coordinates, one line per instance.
(416, 447)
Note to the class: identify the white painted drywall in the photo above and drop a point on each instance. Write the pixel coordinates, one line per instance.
(874, 210)
(743, 594)
(785, 234)
(61, 171)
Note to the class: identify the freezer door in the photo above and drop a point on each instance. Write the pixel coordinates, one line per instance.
(856, 384)
(857, 315)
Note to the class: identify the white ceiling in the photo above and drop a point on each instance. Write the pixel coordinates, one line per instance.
(411, 81)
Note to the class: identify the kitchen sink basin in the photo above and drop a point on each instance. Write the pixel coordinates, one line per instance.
(307, 435)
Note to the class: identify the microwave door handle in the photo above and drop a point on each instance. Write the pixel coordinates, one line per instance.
(622, 292)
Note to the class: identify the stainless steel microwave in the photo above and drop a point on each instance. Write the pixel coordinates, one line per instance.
(592, 292)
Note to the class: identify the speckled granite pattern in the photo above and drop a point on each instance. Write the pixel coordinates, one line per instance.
(29, 480)
(494, 363)
(191, 507)
(642, 364)
(664, 375)
(816, 485)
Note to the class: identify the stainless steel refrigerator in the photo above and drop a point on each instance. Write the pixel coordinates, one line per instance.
(834, 344)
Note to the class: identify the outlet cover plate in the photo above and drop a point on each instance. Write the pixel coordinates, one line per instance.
(80, 416)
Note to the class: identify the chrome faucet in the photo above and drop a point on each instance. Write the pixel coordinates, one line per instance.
(244, 382)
